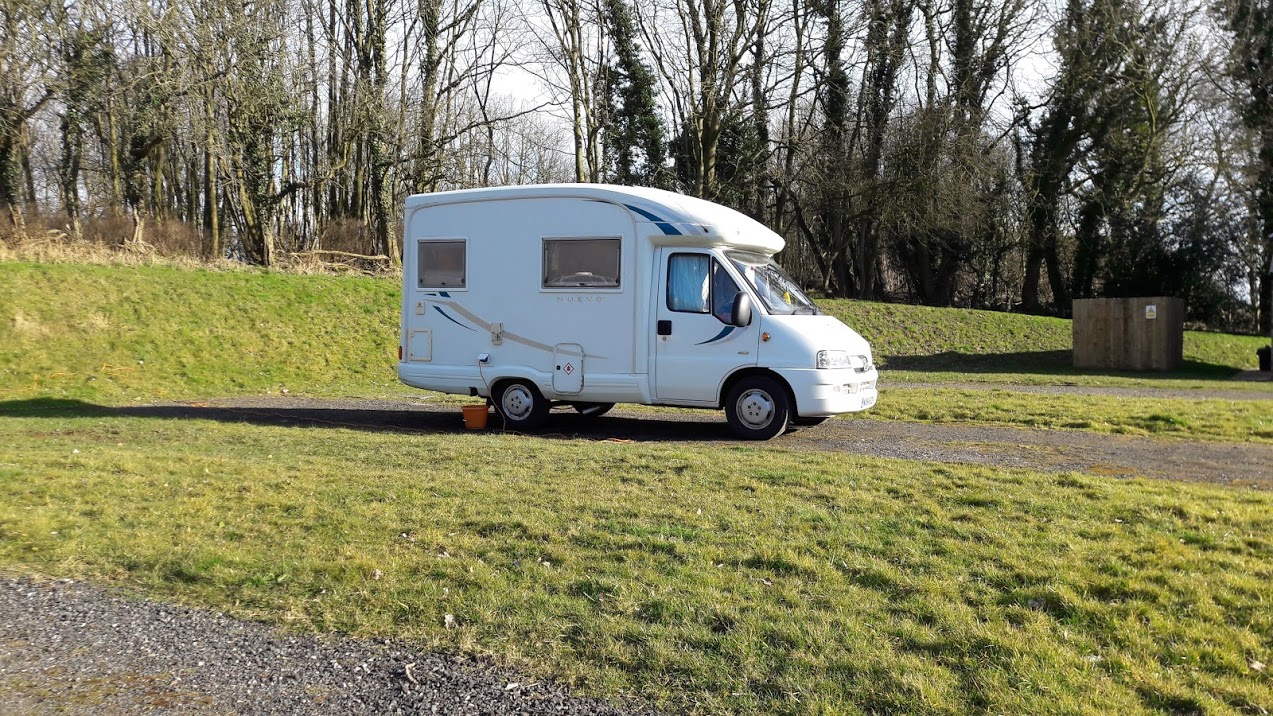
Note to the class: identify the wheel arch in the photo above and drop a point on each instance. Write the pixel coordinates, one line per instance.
(495, 384)
(752, 371)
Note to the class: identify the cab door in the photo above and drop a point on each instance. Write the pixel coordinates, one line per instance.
(695, 346)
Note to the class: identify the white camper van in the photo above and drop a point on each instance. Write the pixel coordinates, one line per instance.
(589, 295)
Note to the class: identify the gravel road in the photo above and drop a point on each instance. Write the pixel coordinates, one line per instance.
(1236, 393)
(1237, 464)
(70, 648)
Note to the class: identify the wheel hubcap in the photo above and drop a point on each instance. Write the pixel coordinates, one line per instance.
(755, 409)
(517, 402)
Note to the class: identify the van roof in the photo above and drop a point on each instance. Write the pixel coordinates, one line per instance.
(675, 214)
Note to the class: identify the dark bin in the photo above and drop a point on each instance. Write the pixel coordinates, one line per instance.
(1263, 353)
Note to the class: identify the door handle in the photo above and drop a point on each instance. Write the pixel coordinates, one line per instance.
(665, 328)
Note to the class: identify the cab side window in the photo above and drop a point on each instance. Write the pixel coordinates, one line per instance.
(723, 291)
(698, 283)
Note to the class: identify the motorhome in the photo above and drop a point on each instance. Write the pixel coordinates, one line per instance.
(587, 295)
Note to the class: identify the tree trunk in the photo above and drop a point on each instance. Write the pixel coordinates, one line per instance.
(211, 207)
(69, 170)
(1264, 202)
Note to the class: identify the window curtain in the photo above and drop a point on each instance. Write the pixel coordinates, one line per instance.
(687, 286)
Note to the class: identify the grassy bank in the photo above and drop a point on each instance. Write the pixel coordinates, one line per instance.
(116, 335)
(65, 326)
(921, 343)
(715, 580)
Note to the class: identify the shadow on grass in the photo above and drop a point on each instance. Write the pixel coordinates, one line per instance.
(685, 426)
(1040, 363)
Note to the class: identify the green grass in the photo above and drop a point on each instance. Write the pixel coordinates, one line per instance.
(711, 580)
(1199, 419)
(115, 333)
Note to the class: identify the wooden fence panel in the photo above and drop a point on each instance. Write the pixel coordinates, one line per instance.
(1145, 333)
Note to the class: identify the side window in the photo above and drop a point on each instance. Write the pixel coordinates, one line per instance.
(440, 264)
(688, 288)
(581, 263)
(723, 291)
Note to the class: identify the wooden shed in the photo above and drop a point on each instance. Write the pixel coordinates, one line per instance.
(1129, 333)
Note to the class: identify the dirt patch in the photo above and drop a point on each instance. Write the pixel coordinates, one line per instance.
(1120, 456)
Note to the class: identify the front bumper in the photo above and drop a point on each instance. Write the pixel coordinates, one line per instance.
(822, 393)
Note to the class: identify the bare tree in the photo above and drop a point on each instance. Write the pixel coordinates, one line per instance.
(26, 86)
(1250, 23)
(699, 48)
(579, 53)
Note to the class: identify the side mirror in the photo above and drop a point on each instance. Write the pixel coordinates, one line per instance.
(740, 315)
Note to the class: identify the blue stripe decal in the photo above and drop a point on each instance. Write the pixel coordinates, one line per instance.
(452, 320)
(723, 332)
(668, 229)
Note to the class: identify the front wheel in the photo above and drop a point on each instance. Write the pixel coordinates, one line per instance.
(758, 408)
(521, 405)
(592, 410)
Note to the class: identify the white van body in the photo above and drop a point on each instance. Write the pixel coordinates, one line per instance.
(591, 295)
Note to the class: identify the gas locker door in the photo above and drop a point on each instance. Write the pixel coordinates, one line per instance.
(695, 345)
(568, 368)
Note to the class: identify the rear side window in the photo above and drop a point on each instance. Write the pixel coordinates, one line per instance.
(441, 264)
(581, 263)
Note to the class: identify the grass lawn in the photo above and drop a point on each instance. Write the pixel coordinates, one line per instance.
(712, 580)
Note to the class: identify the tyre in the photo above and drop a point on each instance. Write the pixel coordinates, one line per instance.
(806, 422)
(521, 405)
(592, 410)
(758, 408)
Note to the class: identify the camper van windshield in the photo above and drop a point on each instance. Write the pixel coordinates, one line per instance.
(780, 294)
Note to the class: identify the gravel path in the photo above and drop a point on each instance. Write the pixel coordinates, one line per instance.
(1237, 464)
(67, 647)
(1235, 393)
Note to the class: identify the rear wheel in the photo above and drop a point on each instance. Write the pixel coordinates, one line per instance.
(521, 405)
(758, 408)
(592, 410)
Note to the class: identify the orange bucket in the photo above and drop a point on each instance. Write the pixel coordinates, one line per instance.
(475, 416)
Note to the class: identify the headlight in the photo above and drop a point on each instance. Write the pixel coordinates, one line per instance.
(842, 359)
(833, 359)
